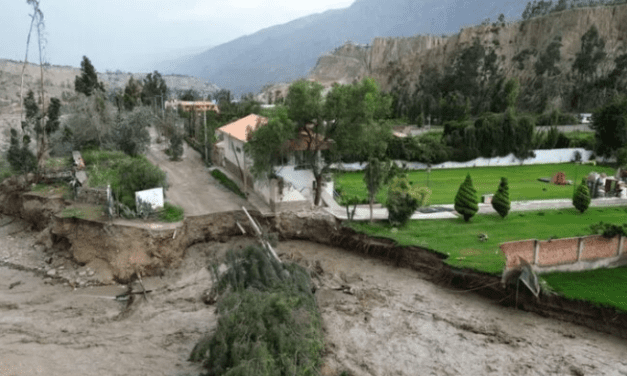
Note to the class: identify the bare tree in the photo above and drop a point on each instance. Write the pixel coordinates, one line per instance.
(37, 14)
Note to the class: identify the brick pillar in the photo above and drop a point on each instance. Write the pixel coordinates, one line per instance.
(536, 251)
(580, 249)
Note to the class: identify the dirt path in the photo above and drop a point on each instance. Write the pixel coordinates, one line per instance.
(191, 186)
(380, 320)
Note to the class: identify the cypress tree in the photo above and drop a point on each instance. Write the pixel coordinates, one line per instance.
(581, 198)
(500, 201)
(466, 199)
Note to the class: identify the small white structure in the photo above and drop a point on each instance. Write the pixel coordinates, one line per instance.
(153, 196)
(585, 118)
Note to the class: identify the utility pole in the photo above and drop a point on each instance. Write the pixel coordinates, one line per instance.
(204, 119)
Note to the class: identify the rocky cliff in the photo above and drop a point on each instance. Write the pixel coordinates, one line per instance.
(401, 61)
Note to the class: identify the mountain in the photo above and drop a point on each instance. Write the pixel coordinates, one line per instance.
(402, 65)
(289, 51)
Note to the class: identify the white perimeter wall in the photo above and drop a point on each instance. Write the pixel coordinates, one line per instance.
(542, 157)
(302, 181)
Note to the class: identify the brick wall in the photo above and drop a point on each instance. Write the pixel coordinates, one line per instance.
(599, 247)
(94, 196)
(512, 250)
(558, 251)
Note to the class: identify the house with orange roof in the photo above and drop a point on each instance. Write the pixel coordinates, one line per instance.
(297, 183)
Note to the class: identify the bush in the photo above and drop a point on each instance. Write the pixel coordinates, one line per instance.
(125, 174)
(609, 230)
(401, 204)
(466, 202)
(19, 156)
(269, 322)
(130, 134)
(171, 213)
(581, 198)
(500, 201)
(225, 181)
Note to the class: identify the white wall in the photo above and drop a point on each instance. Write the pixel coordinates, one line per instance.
(542, 157)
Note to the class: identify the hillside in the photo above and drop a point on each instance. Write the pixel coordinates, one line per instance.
(400, 64)
(287, 52)
(59, 82)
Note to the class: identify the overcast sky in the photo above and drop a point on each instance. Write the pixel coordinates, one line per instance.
(130, 34)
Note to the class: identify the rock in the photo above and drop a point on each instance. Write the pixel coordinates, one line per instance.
(82, 273)
(45, 238)
(52, 272)
(61, 267)
(39, 248)
(81, 283)
(91, 272)
(49, 260)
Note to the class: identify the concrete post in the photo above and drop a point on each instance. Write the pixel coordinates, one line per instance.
(579, 249)
(621, 239)
(536, 251)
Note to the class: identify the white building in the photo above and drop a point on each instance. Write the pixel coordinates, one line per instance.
(296, 188)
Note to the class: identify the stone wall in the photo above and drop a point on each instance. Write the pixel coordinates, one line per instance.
(567, 254)
(93, 196)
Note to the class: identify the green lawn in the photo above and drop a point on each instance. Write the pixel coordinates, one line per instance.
(602, 286)
(444, 183)
(459, 239)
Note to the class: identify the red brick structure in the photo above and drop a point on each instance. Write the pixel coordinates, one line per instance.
(566, 251)
(559, 178)
(597, 246)
(558, 251)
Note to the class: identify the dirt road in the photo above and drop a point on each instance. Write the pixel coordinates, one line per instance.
(191, 185)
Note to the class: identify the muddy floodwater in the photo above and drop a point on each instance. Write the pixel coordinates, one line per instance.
(378, 320)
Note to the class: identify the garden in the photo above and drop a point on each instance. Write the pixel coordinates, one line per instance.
(444, 183)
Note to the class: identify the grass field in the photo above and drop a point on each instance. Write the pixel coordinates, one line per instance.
(460, 241)
(444, 183)
(602, 286)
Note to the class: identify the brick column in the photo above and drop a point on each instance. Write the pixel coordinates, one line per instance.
(621, 239)
(536, 250)
(580, 249)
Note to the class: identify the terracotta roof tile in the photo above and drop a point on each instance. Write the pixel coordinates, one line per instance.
(240, 128)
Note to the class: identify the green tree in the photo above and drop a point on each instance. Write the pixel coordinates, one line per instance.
(547, 61)
(87, 82)
(610, 126)
(21, 159)
(154, 89)
(500, 201)
(374, 177)
(132, 93)
(267, 144)
(401, 204)
(466, 202)
(581, 198)
(591, 54)
(131, 134)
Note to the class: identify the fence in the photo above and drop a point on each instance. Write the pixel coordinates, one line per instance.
(579, 253)
(542, 157)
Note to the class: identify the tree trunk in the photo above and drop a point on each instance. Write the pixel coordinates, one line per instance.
(318, 189)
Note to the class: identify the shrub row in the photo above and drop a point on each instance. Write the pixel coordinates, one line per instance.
(225, 181)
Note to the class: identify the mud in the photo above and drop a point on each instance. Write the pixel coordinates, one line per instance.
(378, 320)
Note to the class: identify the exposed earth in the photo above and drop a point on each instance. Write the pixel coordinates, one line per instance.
(378, 320)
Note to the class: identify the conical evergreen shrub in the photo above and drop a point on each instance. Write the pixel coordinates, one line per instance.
(581, 198)
(466, 199)
(500, 201)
